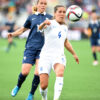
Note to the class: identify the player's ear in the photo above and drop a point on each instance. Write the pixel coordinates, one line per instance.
(54, 15)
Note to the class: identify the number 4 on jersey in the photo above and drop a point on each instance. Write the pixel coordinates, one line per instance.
(59, 34)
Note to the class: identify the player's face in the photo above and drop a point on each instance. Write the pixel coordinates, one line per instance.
(60, 15)
(94, 16)
(41, 6)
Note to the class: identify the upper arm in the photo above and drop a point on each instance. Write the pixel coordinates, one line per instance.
(27, 23)
(24, 29)
(66, 41)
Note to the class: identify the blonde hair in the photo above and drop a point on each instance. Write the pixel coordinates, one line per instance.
(34, 8)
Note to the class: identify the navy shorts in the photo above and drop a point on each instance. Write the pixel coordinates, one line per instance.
(30, 56)
(95, 42)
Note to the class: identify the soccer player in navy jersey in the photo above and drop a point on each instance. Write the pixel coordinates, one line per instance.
(94, 30)
(33, 47)
(10, 27)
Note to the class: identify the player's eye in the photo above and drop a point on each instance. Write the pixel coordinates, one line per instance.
(41, 3)
(60, 11)
(45, 3)
(64, 12)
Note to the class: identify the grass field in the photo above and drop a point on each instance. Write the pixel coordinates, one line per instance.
(81, 82)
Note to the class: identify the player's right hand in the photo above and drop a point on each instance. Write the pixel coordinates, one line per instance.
(47, 22)
(76, 58)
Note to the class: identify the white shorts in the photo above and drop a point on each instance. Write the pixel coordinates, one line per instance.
(46, 63)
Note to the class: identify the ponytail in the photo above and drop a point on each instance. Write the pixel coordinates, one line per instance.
(34, 9)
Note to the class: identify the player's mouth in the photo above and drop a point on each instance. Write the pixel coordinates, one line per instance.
(61, 17)
(43, 8)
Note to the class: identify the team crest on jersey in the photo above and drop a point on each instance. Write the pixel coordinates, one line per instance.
(24, 57)
(63, 60)
(65, 30)
(41, 68)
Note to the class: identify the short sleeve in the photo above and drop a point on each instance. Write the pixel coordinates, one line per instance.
(66, 30)
(99, 24)
(27, 24)
(7, 24)
(89, 26)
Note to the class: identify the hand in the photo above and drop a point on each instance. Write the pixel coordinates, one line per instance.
(10, 35)
(47, 22)
(76, 58)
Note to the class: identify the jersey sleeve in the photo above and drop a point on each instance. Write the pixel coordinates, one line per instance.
(50, 17)
(27, 24)
(7, 24)
(89, 26)
(99, 23)
(66, 30)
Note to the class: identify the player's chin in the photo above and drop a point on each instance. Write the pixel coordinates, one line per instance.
(42, 9)
(61, 20)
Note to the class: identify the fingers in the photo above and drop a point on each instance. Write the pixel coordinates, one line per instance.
(9, 35)
(77, 60)
(47, 22)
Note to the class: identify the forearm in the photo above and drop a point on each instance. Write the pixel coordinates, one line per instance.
(68, 46)
(18, 32)
(42, 26)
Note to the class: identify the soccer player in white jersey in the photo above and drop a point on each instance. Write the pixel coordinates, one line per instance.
(52, 54)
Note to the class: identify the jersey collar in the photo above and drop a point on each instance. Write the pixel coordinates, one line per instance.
(94, 22)
(37, 13)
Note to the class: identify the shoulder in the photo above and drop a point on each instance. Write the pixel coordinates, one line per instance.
(32, 15)
(53, 22)
(49, 16)
(89, 23)
(99, 22)
(65, 27)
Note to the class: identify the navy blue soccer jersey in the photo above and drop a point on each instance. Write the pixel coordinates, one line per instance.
(35, 39)
(95, 28)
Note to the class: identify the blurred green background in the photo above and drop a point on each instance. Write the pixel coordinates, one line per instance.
(81, 82)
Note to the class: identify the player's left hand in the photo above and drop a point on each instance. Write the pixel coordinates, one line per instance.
(76, 58)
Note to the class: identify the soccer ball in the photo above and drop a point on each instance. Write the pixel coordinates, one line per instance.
(74, 13)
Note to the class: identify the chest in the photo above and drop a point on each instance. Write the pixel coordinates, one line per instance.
(95, 26)
(37, 20)
(57, 32)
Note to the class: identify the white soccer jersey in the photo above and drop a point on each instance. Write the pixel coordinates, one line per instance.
(55, 35)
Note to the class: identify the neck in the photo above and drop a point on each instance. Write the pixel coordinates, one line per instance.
(60, 22)
(39, 11)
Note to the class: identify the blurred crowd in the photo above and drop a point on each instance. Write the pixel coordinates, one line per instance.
(18, 11)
